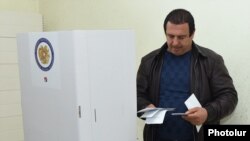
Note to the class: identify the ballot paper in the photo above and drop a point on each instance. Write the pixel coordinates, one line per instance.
(192, 102)
(149, 113)
(158, 118)
(154, 115)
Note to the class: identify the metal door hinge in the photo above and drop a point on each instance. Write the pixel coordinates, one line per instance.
(79, 112)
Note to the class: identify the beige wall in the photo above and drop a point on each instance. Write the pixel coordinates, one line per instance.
(15, 16)
(145, 17)
(19, 5)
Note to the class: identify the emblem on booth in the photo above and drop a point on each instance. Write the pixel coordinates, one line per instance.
(44, 54)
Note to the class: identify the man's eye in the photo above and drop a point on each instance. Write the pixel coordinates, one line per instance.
(181, 37)
(170, 36)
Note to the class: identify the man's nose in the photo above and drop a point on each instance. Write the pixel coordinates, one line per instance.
(175, 41)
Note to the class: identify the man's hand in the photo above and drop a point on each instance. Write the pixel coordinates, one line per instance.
(151, 106)
(196, 116)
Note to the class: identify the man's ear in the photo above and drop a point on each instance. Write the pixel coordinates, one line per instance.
(192, 36)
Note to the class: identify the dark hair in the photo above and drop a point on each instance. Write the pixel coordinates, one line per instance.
(180, 16)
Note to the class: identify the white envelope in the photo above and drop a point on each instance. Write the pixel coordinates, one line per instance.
(154, 115)
(192, 102)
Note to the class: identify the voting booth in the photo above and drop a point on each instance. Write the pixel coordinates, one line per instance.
(78, 85)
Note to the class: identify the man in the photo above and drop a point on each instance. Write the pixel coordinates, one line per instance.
(169, 75)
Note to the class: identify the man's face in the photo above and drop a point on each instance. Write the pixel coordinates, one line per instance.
(178, 39)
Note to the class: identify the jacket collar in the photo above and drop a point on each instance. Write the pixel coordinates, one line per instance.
(197, 49)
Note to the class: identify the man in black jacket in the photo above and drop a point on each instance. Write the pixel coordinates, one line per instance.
(169, 75)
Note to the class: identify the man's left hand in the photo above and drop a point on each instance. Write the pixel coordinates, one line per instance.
(196, 116)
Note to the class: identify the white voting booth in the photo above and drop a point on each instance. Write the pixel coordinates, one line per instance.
(78, 85)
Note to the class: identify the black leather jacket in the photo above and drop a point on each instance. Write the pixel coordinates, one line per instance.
(210, 82)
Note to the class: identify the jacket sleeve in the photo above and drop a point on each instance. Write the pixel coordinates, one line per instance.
(142, 87)
(223, 92)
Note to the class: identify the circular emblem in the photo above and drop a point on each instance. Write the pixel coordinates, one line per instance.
(44, 54)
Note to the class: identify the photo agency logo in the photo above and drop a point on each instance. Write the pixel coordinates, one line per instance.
(235, 132)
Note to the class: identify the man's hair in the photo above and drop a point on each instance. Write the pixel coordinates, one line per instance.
(180, 16)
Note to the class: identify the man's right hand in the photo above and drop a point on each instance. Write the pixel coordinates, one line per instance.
(151, 106)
